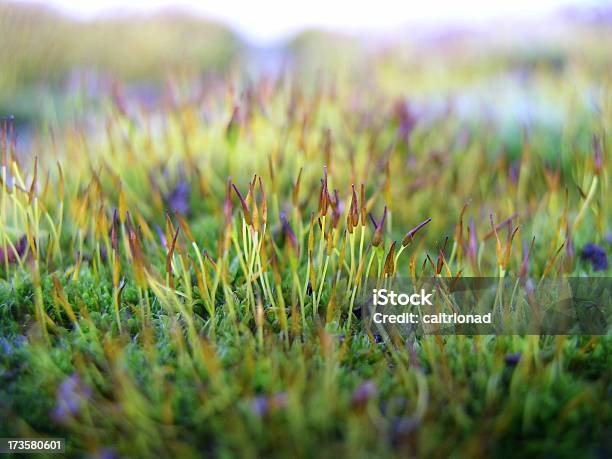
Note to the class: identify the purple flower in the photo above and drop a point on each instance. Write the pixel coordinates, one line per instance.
(106, 453)
(278, 400)
(363, 393)
(162, 236)
(262, 405)
(514, 172)
(71, 395)
(513, 359)
(259, 406)
(8, 346)
(596, 255)
(178, 198)
(402, 427)
(8, 254)
(406, 118)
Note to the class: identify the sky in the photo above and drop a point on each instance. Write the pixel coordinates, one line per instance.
(265, 21)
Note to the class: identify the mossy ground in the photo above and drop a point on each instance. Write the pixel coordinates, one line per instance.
(181, 282)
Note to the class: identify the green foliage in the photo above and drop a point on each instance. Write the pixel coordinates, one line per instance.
(166, 302)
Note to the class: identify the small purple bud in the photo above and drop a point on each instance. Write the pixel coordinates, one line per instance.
(162, 236)
(178, 198)
(71, 395)
(513, 359)
(596, 255)
(259, 406)
(363, 393)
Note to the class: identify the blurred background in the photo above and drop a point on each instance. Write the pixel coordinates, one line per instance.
(60, 54)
